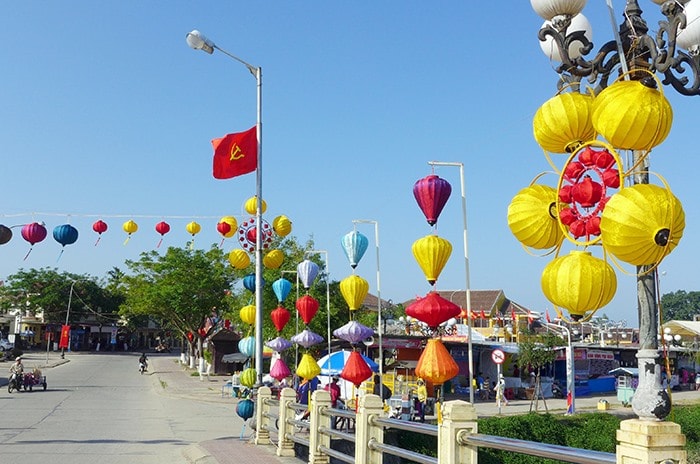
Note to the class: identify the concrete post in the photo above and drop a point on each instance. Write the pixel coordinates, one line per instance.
(650, 442)
(370, 406)
(458, 418)
(320, 400)
(285, 447)
(262, 434)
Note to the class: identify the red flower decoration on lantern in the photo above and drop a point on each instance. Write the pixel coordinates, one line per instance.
(584, 187)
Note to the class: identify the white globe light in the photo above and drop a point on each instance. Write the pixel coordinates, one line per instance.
(667, 330)
(578, 23)
(548, 9)
(677, 337)
(689, 38)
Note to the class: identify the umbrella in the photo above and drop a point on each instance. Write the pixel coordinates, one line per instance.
(333, 364)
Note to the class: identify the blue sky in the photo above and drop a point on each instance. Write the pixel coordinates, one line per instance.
(107, 113)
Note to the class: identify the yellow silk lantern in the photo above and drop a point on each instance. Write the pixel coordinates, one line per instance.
(130, 227)
(532, 217)
(251, 205)
(231, 221)
(239, 259)
(564, 122)
(632, 115)
(273, 259)
(642, 224)
(435, 363)
(248, 377)
(579, 283)
(308, 368)
(354, 290)
(193, 228)
(247, 314)
(282, 225)
(431, 252)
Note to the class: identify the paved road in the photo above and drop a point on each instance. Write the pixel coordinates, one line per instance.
(98, 409)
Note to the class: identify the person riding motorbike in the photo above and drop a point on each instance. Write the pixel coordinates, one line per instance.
(143, 363)
(17, 372)
(557, 391)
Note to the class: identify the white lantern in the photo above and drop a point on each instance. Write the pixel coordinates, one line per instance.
(689, 38)
(578, 23)
(548, 9)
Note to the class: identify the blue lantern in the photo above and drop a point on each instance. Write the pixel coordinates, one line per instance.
(65, 234)
(247, 346)
(354, 245)
(307, 271)
(245, 409)
(281, 287)
(249, 282)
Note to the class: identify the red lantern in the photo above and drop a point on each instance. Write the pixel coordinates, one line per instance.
(34, 232)
(280, 317)
(162, 228)
(100, 227)
(433, 309)
(356, 369)
(223, 228)
(431, 193)
(307, 307)
(587, 192)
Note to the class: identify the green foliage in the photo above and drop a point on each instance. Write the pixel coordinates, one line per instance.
(537, 351)
(680, 305)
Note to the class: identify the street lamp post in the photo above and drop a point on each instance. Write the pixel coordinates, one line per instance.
(635, 53)
(379, 295)
(570, 370)
(199, 42)
(328, 295)
(467, 290)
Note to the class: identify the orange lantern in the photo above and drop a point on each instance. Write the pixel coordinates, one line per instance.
(431, 252)
(354, 290)
(579, 283)
(435, 364)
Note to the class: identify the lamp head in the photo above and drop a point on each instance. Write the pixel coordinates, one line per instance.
(197, 41)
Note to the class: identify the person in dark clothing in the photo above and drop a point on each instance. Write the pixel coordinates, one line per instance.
(380, 389)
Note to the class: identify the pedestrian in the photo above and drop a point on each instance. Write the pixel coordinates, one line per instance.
(380, 389)
(500, 391)
(421, 399)
(334, 389)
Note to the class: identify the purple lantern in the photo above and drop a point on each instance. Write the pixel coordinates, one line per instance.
(278, 344)
(353, 332)
(307, 338)
(432, 193)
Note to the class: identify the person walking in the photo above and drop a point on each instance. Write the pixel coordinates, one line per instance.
(421, 399)
(500, 391)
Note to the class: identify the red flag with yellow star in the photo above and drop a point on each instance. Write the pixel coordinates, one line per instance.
(235, 154)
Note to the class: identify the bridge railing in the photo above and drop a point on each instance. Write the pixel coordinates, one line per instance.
(458, 440)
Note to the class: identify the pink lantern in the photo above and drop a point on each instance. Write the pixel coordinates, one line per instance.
(280, 370)
(33, 233)
(432, 193)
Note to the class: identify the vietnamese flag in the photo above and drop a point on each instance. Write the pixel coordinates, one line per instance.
(235, 154)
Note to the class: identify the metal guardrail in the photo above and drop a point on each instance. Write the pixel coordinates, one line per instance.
(402, 453)
(425, 429)
(542, 450)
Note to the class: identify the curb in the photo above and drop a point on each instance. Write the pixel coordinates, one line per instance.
(195, 454)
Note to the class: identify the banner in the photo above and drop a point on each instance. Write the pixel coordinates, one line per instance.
(65, 336)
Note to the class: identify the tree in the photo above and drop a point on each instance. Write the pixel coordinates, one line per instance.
(680, 305)
(536, 351)
(184, 289)
(47, 291)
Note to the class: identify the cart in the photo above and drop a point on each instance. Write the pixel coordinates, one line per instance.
(34, 378)
(627, 380)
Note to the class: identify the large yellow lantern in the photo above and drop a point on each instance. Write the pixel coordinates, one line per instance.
(251, 205)
(308, 368)
(282, 225)
(435, 363)
(532, 217)
(579, 283)
(563, 122)
(642, 224)
(431, 252)
(273, 259)
(632, 115)
(248, 314)
(239, 259)
(354, 290)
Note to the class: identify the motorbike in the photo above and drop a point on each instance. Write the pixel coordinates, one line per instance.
(34, 378)
(557, 391)
(143, 367)
(16, 382)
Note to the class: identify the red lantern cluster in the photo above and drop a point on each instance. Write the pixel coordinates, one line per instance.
(584, 191)
(247, 234)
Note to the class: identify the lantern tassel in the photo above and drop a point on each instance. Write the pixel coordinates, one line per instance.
(221, 245)
(127, 239)
(242, 431)
(27, 255)
(98, 239)
(60, 254)
(159, 242)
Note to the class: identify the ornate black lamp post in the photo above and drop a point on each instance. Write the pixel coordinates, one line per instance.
(673, 54)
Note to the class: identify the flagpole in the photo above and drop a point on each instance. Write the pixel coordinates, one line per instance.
(198, 41)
